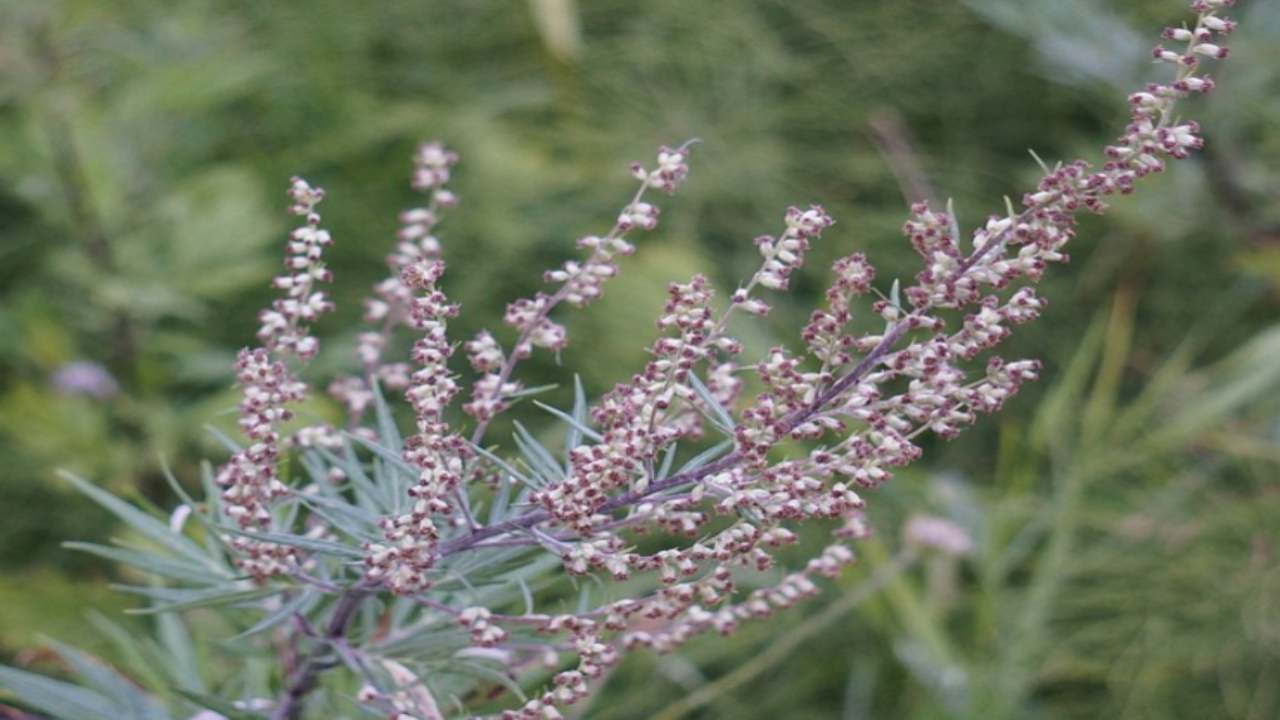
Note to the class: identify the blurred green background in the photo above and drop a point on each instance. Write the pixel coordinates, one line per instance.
(1124, 509)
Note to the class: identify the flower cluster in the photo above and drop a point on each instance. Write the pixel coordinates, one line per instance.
(392, 297)
(824, 335)
(483, 632)
(631, 414)
(581, 282)
(786, 253)
(250, 480)
(285, 325)
(409, 539)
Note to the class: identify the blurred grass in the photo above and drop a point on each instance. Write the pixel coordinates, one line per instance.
(1127, 545)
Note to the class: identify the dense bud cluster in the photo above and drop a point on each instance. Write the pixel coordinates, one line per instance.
(631, 414)
(392, 298)
(250, 480)
(824, 335)
(285, 325)
(409, 539)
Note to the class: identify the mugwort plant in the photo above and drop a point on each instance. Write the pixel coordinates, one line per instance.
(430, 573)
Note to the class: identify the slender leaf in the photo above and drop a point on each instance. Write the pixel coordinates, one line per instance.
(148, 525)
(512, 471)
(324, 547)
(527, 392)
(369, 495)
(391, 456)
(538, 457)
(62, 700)
(527, 595)
(134, 704)
(355, 522)
(387, 430)
(182, 666)
(132, 652)
(300, 603)
(705, 457)
(720, 416)
(201, 600)
(576, 428)
(173, 568)
(501, 501)
(231, 445)
(573, 437)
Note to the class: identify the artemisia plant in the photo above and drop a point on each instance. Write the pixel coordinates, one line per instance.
(429, 564)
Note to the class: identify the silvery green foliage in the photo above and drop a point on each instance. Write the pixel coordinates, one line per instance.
(449, 577)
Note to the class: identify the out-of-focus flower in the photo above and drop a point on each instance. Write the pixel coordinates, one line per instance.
(931, 532)
(84, 377)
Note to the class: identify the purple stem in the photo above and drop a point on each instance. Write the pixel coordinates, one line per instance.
(303, 681)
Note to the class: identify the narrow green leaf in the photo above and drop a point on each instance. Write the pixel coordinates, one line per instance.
(323, 547)
(501, 501)
(720, 415)
(1054, 413)
(397, 483)
(212, 494)
(527, 595)
(231, 445)
(355, 522)
(300, 603)
(215, 548)
(177, 487)
(527, 392)
(134, 704)
(182, 666)
(131, 652)
(391, 456)
(493, 674)
(214, 558)
(62, 700)
(510, 470)
(211, 599)
(387, 430)
(538, 457)
(148, 525)
(1041, 163)
(706, 456)
(401, 609)
(668, 457)
(576, 429)
(173, 568)
(368, 495)
(573, 437)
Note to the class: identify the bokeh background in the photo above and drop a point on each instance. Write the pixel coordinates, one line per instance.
(1125, 510)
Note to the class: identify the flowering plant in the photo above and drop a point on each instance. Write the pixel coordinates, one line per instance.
(436, 567)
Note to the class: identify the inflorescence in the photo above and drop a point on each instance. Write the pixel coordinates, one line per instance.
(859, 401)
